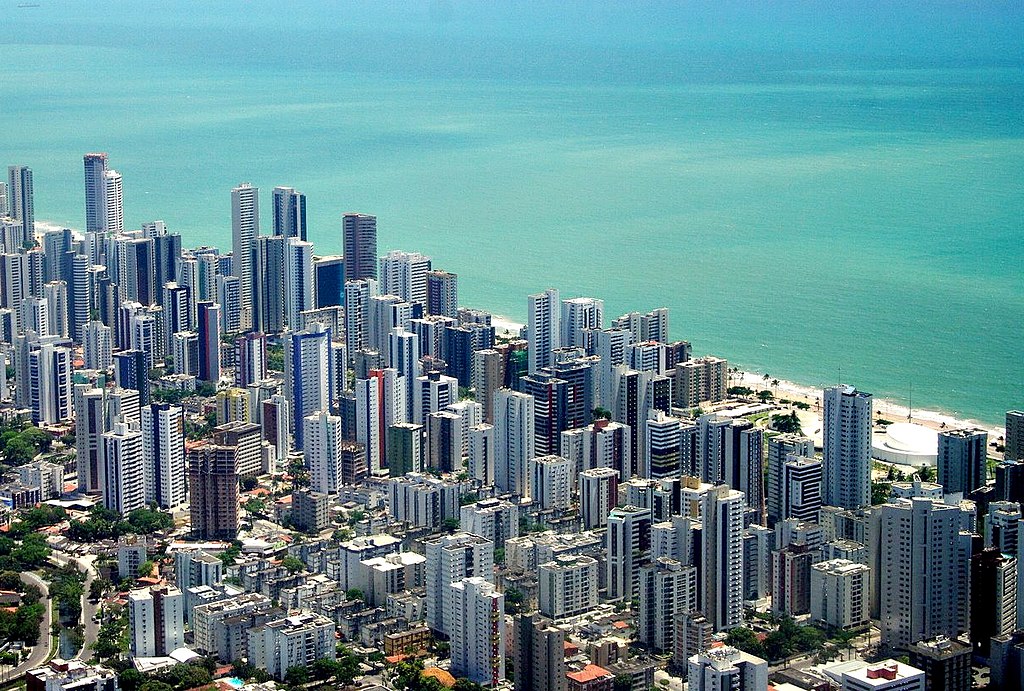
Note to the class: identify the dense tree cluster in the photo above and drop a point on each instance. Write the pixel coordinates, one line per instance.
(105, 524)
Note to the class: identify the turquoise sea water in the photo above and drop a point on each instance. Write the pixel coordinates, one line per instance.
(808, 188)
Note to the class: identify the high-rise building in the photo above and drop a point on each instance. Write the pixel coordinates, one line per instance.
(791, 580)
(442, 293)
(801, 489)
(213, 486)
(209, 341)
(309, 375)
(19, 193)
(597, 495)
(124, 487)
(481, 454)
(780, 447)
(487, 376)
(946, 664)
(330, 280)
(698, 380)
(961, 460)
(668, 592)
(477, 616)
(269, 290)
(553, 481)
(451, 558)
(444, 442)
(163, 453)
(579, 317)
(156, 621)
(112, 213)
(404, 446)
(432, 393)
(48, 380)
(322, 446)
(90, 419)
(847, 448)
(726, 668)
(245, 228)
(250, 358)
(627, 545)
(297, 640)
(513, 441)
(359, 244)
(405, 274)
(652, 326)
(539, 654)
(289, 213)
(1014, 435)
(922, 571)
(300, 282)
(993, 605)
(95, 166)
(229, 296)
(567, 586)
(720, 511)
(358, 294)
(544, 328)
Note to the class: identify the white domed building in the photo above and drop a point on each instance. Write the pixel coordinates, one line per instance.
(906, 443)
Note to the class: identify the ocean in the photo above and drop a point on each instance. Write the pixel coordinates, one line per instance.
(821, 193)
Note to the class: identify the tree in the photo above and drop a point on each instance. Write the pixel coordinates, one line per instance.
(354, 594)
(463, 684)
(96, 589)
(450, 525)
(622, 682)
(292, 564)
(297, 675)
(248, 483)
(600, 413)
(765, 395)
(145, 568)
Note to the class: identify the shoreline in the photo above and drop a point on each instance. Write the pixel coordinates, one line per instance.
(889, 409)
(885, 408)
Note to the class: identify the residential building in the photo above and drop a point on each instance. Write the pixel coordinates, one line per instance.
(847, 447)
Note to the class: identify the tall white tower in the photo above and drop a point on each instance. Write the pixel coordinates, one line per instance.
(513, 441)
(544, 323)
(847, 447)
(245, 226)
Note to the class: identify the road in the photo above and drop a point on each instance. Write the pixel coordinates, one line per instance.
(91, 628)
(41, 651)
(90, 625)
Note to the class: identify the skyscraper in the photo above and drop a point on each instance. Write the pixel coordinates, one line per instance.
(442, 293)
(90, 425)
(213, 484)
(163, 454)
(300, 286)
(289, 213)
(270, 289)
(19, 194)
(309, 375)
(1015, 435)
(95, 166)
(627, 546)
(359, 241)
(451, 558)
(780, 447)
(513, 441)
(245, 227)
(322, 447)
(112, 213)
(579, 317)
(477, 612)
(961, 460)
(209, 341)
(923, 571)
(847, 444)
(544, 328)
(124, 489)
(405, 274)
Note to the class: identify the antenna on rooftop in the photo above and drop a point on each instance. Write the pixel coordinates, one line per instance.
(910, 406)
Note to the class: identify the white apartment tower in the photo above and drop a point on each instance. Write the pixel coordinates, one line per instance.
(163, 454)
(477, 616)
(923, 571)
(405, 274)
(579, 316)
(544, 328)
(322, 448)
(451, 558)
(847, 448)
(513, 441)
(245, 227)
(125, 486)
